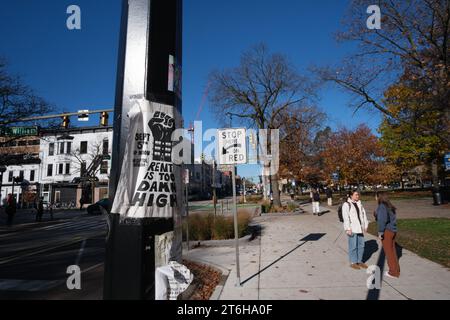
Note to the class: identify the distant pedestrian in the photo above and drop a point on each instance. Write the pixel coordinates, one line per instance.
(40, 210)
(50, 209)
(329, 193)
(355, 225)
(11, 208)
(81, 203)
(386, 215)
(316, 202)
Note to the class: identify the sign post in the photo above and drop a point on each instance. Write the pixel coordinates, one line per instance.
(186, 183)
(232, 149)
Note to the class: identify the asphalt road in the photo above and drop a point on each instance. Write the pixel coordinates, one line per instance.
(34, 257)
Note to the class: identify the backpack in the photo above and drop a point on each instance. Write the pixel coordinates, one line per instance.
(340, 216)
(316, 196)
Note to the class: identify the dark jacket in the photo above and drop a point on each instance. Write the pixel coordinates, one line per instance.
(386, 219)
(329, 193)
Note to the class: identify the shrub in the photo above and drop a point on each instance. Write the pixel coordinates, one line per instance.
(203, 227)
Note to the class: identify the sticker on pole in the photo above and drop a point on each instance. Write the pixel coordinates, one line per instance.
(232, 146)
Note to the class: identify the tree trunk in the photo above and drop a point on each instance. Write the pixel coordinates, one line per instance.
(435, 174)
(275, 191)
(265, 183)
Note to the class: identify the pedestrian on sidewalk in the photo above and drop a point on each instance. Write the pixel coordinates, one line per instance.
(329, 193)
(11, 208)
(40, 210)
(355, 225)
(386, 217)
(316, 202)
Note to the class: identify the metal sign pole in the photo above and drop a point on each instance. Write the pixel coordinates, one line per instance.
(187, 214)
(236, 229)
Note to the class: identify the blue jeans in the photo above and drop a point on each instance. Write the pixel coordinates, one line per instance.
(356, 245)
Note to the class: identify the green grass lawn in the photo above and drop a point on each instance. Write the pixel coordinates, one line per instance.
(429, 238)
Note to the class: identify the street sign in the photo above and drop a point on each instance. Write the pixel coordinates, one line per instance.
(447, 162)
(335, 176)
(83, 115)
(19, 131)
(232, 146)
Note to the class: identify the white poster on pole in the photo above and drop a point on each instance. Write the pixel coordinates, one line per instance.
(147, 186)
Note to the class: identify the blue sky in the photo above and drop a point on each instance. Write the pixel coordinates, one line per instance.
(77, 69)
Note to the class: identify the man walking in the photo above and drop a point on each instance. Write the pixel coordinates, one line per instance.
(40, 210)
(10, 208)
(316, 202)
(355, 225)
(329, 193)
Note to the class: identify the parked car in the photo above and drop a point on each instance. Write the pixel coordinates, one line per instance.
(100, 207)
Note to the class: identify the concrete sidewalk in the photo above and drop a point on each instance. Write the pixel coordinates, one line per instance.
(279, 266)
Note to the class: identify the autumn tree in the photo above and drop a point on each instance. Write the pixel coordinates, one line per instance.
(404, 147)
(297, 148)
(412, 50)
(258, 92)
(357, 153)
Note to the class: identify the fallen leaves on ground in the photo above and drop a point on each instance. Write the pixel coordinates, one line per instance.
(207, 279)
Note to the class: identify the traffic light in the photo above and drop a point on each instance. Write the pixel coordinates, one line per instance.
(104, 119)
(66, 122)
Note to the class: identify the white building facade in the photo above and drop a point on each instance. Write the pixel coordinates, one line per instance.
(66, 155)
(28, 173)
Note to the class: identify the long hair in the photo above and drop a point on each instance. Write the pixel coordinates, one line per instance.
(384, 199)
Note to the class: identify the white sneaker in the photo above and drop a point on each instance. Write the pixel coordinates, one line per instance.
(387, 274)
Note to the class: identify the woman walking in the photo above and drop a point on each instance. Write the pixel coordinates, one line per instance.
(387, 231)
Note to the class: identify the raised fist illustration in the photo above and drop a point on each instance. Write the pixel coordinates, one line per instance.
(162, 126)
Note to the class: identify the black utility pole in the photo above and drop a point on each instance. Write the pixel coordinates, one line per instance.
(149, 69)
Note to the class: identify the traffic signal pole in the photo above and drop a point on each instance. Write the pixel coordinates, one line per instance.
(145, 234)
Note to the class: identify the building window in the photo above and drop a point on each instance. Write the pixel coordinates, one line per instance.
(51, 149)
(83, 147)
(67, 168)
(83, 169)
(11, 144)
(104, 167)
(50, 170)
(105, 147)
(69, 147)
(34, 142)
(10, 176)
(32, 173)
(21, 175)
(61, 148)
(60, 168)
